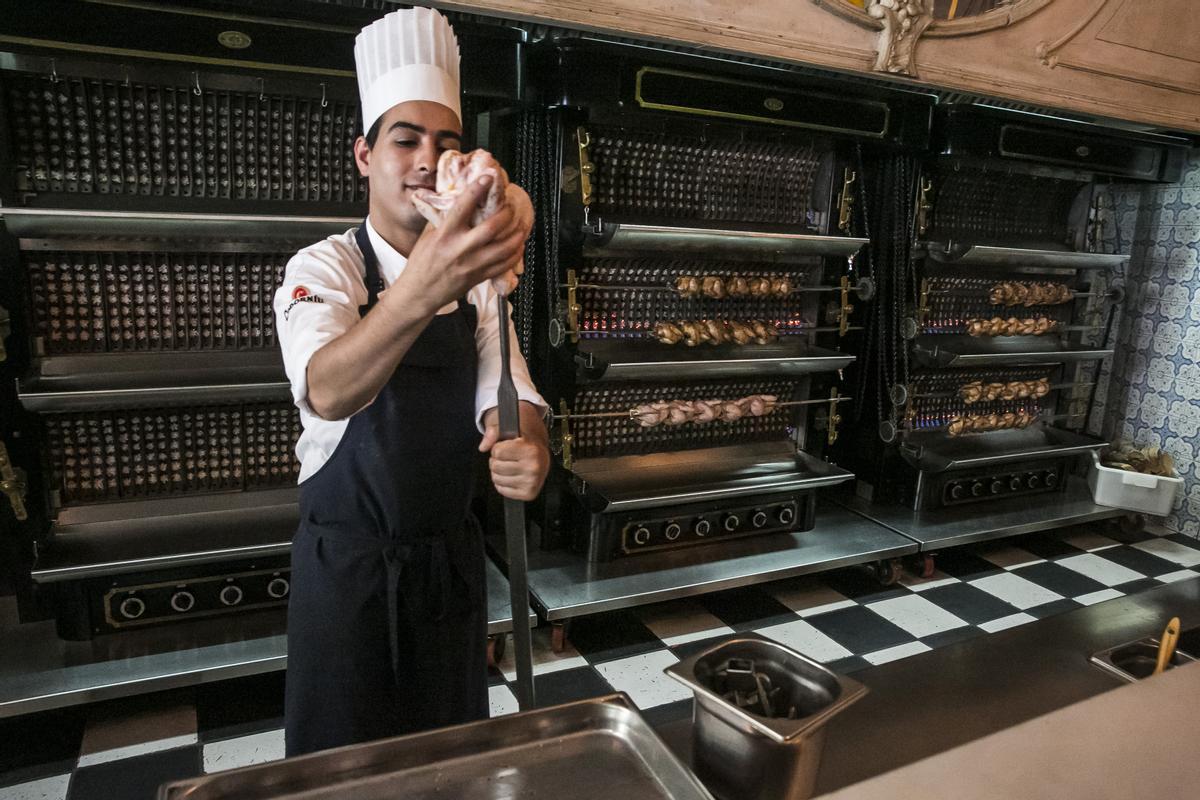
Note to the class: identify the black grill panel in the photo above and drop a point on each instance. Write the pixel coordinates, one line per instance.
(140, 453)
(81, 136)
(619, 436)
(933, 412)
(621, 312)
(145, 302)
(648, 175)
(975, 205)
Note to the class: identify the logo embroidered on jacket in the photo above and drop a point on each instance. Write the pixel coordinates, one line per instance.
(300, 295)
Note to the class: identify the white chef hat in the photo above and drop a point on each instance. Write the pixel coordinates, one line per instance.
(410, 54)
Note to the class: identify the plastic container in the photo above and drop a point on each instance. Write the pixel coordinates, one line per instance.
(1134, 491)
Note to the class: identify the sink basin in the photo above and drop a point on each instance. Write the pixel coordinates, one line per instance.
(1135, 661)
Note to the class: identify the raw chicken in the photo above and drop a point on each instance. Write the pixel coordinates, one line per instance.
(455, 172)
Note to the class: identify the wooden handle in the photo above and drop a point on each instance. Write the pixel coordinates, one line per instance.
(1166, 647)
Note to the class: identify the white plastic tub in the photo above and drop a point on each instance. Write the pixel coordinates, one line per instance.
(1135, 491)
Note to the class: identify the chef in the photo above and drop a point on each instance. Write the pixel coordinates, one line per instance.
(391, 343)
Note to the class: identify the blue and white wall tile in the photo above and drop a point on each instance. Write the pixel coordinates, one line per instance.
(1150, 393)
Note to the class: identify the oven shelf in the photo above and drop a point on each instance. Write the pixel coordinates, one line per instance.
(747, 245)
(644, 359)
(958, 350)
(624, 483)
(984, 255)
(940, 452)
(49, 222)
(133, 380)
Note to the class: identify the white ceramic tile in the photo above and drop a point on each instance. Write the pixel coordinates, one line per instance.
(681, 621)
(898, 652)
(54, 788)
(916, 615)
(1091, 598)
(1009, 557)
(243, 751)
(919, 584)
(807, 640)
(1011, 621)
(1089, 541)
(501, 701)
(116, 753)
(544, 658)
(643, 679)
(810, 597)
(1100, 569)
(1181, 575)
(1182, 555)
(1016, 591)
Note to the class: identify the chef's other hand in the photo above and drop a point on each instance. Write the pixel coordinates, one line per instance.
(518, 466)
(450, 258)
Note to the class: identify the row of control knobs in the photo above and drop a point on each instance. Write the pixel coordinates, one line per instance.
(183, 600)
(980, 487)
(730, 522)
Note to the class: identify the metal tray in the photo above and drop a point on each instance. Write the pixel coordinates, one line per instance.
(595, 749)
(638, 359)
(755, 245)
(960, 350)
(940, 452)
(1021, 257)
(622, 483)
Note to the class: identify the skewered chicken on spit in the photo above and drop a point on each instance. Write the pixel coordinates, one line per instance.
(455, 172)
(981, 423)
(677, 412)
(715, 331)
(718, 288)
(1020, 293)
(1030, 326)
(978, 391)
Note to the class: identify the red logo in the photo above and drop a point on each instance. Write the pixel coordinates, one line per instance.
(299, 292)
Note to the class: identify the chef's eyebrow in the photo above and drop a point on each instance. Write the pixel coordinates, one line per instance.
(419, 129)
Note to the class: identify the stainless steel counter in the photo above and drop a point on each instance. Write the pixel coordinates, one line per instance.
(565, 585)
(977, 522)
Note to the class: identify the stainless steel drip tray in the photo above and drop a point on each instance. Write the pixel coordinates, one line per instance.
(960, 350)
(939, 452)
(616, 238)
(587, 750)
(644, 359)
(1021, 256)
(124, 380)
(623, 483)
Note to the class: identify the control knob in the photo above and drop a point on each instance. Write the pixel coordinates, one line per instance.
(787, 515)
(732, 522)
(1033, 480)
(759, 519)
(278, 588)
(672, 531)
(231, 595)
(1015, 483)
(132, 607)
(641, 535)
(977, 489)
(1051, 479)
(702, 527)
(958, 491)
(183, 600)
(997, 486)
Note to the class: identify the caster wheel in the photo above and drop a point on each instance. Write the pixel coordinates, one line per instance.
(558, 637)
(927, 565)
(886, 572)
(495, 649)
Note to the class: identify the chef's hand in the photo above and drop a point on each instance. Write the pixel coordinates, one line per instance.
(518, 466)
(450, 258)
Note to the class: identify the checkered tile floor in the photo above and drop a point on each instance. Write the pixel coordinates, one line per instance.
(125, 749)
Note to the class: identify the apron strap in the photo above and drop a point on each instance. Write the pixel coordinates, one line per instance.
(372, 278)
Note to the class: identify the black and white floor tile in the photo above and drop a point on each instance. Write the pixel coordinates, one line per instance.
(125, 749)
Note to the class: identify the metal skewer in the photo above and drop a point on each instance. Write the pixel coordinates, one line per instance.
(633, 414)
(514, 524)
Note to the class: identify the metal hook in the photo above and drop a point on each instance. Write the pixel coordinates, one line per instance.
(261, 98)
(53, 71)
(196, 87)
(127, 84)
(324, 102)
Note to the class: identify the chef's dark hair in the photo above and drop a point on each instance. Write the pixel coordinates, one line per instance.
(373, 134)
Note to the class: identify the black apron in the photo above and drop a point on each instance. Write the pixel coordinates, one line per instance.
(387, 627)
